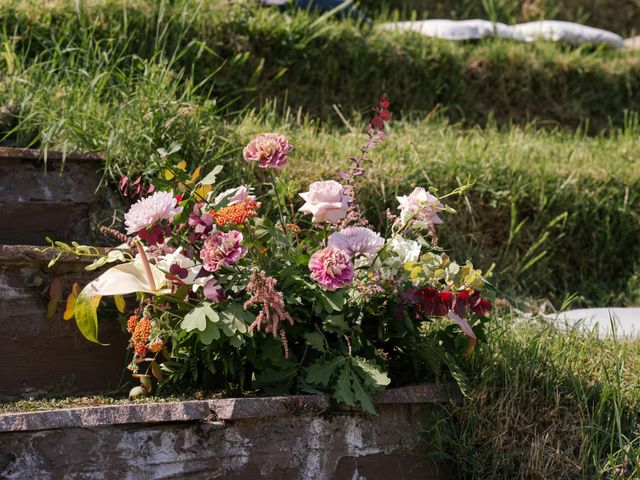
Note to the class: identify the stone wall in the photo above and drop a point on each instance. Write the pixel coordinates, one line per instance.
(295, 437)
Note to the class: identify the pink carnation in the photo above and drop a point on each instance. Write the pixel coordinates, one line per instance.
(331, 268)
(222, 249)
(270, 149)
(148, 211)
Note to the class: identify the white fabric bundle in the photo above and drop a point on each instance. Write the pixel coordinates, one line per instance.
(454, 30)
(623, 322)
(526, 32)
(574, 33)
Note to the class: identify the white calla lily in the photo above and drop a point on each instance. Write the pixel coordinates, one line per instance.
(121, 279)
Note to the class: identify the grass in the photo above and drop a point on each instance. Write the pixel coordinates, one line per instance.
(313, 63)
(543, 403)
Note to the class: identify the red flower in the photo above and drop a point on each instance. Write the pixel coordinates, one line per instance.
(472, 300)
(434, 303)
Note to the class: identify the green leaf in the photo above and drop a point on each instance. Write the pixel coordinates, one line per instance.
(210, 178)
(196, 319)
(315, 340)
(277, 380)
(336, 323)
(334, 301)
(363, 397)
(210, 333)
(120, 303)
(85, 312)
(55, 296)
(236, 319)
(321, 371)
(371, 373)
(343, 392)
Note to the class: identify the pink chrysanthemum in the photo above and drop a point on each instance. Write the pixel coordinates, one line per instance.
(151, 210)
(222, 249)
(356, 241)
(269, 149)
(331, 268)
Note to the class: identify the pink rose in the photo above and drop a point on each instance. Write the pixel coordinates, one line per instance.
(326, 201)
(421, 207)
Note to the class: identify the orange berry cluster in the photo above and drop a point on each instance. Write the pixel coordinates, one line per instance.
(236, 214)
(155, 347)
(140, 331)
(131, 323)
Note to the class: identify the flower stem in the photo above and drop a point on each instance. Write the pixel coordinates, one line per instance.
(145, 264)
(275, 191)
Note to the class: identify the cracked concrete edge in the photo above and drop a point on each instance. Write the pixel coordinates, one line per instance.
(225, 409)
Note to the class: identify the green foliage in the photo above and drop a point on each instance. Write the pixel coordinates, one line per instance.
(351, 379)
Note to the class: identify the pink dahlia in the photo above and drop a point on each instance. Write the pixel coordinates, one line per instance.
(222, 249)
(331, 268)
(270, 149)
(151, 210)
(356, 241)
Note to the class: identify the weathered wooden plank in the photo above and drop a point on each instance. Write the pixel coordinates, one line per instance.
(40, 355)
(39, 199)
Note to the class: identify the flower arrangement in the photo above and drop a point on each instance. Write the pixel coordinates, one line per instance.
(312, 300)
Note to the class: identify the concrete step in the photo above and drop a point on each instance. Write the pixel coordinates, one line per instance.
(39, 355)
(51, 198)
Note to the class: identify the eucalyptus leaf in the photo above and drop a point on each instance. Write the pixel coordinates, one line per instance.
(210, 178)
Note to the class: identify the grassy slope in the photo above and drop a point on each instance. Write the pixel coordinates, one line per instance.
(316, 63)
(545, 404)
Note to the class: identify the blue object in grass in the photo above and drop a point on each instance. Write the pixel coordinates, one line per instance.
(320, 5)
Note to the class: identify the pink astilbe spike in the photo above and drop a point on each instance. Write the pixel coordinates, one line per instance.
(272, 314)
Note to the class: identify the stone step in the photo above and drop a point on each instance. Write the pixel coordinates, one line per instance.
(50, 356)
(52, 198)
